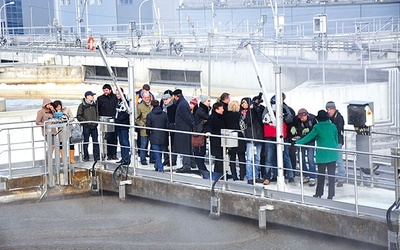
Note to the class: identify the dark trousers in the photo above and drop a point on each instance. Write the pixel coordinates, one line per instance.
(111, 143)
(242, 164)
(166, 150)
(219, 163)
(200, 152)
(91, 132)
(322, 167)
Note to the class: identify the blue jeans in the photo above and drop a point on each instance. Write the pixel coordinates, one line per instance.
(311, 162)
(249, 160)
(158, 155)
(271, 162)
(144, 143)
(341, 172)
(287, 163)
(87, 132)
(123, 137)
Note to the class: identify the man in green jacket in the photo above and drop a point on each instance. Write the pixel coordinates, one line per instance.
(87, 112)
(326, 135)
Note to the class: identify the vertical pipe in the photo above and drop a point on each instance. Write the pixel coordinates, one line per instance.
(33, 148)
(301, 174)
(132, 135)
(355, 183)
(279, 129)
(9, 153)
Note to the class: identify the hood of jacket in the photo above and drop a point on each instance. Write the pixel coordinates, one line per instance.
(45, 102)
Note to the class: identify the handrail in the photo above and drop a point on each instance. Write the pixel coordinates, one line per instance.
(173, 177)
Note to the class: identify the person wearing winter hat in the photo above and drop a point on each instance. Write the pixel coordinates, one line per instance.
(200, 119)
(337, 119)
(305, 123)
(204, 98)
(168, 106)
(193, 106)
(325, 134)
(88, 113)
(184, 121)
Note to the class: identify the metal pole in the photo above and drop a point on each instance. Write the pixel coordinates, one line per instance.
(5, 17)
(264, 90)
(279, 129)
(114, 79)
(132, 133)
(140, 13)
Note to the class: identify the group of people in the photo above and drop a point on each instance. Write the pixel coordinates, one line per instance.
(256, 150)
(89, 112)
(167, 125)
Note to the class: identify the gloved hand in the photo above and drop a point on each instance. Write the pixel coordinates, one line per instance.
(293, 130)
(305, 131)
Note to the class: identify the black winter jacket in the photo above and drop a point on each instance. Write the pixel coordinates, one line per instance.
(157, 119)
(122, 117)
(200, 118)
(107, 105)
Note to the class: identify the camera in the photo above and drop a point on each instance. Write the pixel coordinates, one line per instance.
(257, 99)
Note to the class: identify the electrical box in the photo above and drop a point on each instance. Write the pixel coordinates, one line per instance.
(319, 24)
(229, 142)
(360, 113)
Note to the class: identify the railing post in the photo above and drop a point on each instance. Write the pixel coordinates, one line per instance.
(395, 152)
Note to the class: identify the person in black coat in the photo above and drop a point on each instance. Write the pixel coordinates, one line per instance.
(200, 118)
(158, 138)
(107, 104)
(169, 106)
(213, 127)
(122, 117)
(184, 121)
(251, 124)
(232, 119)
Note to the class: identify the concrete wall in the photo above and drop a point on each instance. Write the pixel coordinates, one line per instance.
(41, 74)
(293, 214)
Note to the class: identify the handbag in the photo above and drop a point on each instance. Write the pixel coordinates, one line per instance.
(76, 133)
(198, 140)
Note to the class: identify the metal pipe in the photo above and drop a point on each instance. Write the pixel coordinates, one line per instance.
(125, 104)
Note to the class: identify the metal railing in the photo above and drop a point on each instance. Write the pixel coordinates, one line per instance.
(15, 161)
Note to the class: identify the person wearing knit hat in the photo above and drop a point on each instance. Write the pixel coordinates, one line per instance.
(326, 136)
(302, 112)
(337, 119)
(305, 123)
(200, 119)
(166, 96)
(194, 102)
(330, 105)
(193, 106)
(204, 98)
